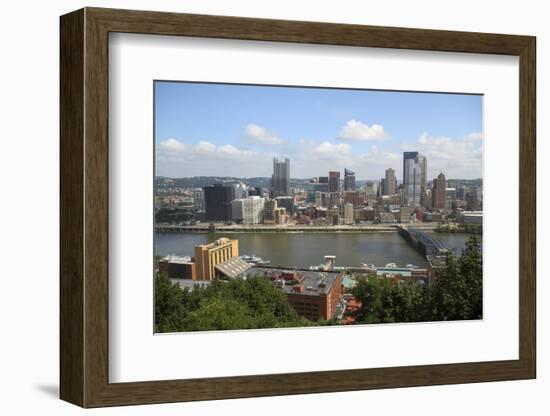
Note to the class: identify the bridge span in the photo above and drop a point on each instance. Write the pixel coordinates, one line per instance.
(426, 243)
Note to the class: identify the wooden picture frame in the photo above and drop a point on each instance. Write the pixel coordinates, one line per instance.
(84, 207)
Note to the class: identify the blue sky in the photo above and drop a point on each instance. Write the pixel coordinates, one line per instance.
(235, 130)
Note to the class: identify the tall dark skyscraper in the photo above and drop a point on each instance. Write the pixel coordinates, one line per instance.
(217, 200)
(390, 182)
(334, 181)
(349, 180)
(321, 185)
(439, 192)
(414, 178)
(280, 181)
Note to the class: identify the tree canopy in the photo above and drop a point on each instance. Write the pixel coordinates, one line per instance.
(234, 304)
(456, 293)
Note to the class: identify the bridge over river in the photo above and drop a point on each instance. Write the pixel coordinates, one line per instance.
(426, 243)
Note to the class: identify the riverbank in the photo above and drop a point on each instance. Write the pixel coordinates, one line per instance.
(289, 229)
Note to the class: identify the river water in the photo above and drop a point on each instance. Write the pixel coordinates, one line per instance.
(302, 250)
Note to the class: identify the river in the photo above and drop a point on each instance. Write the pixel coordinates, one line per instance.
(302, 250)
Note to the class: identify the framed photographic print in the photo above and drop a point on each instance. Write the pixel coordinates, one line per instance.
(255, 207)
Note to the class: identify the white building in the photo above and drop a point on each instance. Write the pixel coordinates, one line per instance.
(248, 210)
(198, 199)
(348, 214)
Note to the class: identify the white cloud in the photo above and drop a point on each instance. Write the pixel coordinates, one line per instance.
(178, 159)
(356, 130)
(204, 147)
(172, 145)
(327, 148)
(262, 135)
(456, 158)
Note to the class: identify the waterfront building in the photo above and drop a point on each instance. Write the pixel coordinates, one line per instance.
(386, 217)
(286, 202)
(281, 216)
(280, 181)
(334, 181)
(349, 180)
(470, 217)
(248, 210)
(414, 178)
(208, 256)
(333, 216)
(439, 192)
(390, 182)
(177, 267)
(405, 213)
(217, 200)
(270, 206)
(314, 295)
(198, 199)
(348, 214)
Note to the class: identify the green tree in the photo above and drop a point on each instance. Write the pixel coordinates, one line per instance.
(234, 304)
(376, 300)
(216, 313)
(456, 294)
(169, 308)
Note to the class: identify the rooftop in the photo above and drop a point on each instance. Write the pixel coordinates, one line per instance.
(233, 267)
(303, 282)
(190, 284)
(390, 270)
(218, 242)
(172, 258)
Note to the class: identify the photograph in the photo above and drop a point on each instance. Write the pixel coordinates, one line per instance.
(305, 206)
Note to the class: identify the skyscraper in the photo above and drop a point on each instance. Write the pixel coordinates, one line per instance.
(334, 181)
(349, 180)
(248, 210)
(286, 202)
(389, 182)
(198, 199)
(414, 178)
(348, 214)
(270, 206)
(439, 192)
(280, 181)
(473, 199)
(217, 199)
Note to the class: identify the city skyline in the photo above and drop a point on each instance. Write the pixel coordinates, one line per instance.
(234, 130)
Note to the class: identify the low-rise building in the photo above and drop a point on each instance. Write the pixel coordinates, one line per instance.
(469, 217)
(208, 256)
(314, 295)
(281, 216)
(177, 267)
(405, 213)
(348, 214)
(386, 217)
